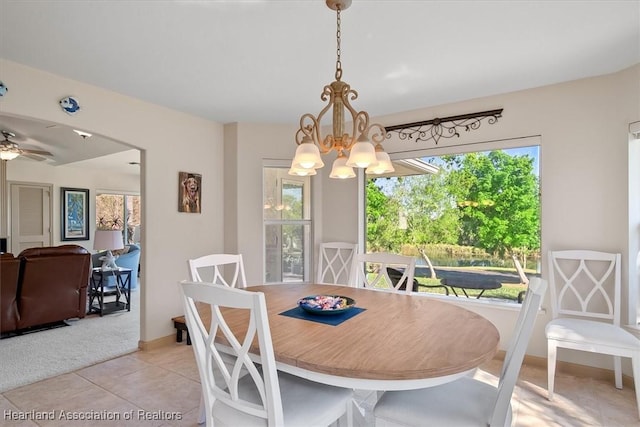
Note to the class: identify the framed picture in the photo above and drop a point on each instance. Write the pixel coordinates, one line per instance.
(189, 192)
(74, 204)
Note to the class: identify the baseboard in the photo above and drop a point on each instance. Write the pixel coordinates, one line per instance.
(157, 343)
(573, 369)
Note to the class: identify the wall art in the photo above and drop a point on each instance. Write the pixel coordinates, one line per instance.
(189, 192)
(74, 213)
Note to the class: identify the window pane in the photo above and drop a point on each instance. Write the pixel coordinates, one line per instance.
(287, 228)
(114, 211)
(286, 249)
(285, 197)
(110, 211)
(133, 218)
(463, 215)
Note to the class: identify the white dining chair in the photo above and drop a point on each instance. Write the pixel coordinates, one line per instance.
(264, 396)
(372, 271)
(334, 262)
(585, 305)
(213, 267)
(467, 401)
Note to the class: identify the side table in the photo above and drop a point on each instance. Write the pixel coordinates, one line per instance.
(98, 292)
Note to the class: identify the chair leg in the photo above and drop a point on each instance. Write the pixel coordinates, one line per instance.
(552, 351)
(617, 369)
(635, 364)
(202, 413)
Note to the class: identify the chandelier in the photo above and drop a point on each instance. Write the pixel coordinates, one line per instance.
(363, 144)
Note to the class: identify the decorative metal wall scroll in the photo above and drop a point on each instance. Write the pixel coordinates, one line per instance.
(446, 127)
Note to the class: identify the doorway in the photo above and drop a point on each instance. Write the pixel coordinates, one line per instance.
(31, 209)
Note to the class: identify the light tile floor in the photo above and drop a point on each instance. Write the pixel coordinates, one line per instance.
(161, 388)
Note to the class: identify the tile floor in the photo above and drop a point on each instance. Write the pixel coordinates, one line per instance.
(161, 388)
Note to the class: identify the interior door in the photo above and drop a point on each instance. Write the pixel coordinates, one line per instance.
(30, 216)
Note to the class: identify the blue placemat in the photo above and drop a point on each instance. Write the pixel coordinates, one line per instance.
(333, 319)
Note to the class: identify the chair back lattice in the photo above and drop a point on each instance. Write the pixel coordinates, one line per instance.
(370, 271)
(334, 263)
(516, 350)
(585, 283)
(221, 269)
(210, 360)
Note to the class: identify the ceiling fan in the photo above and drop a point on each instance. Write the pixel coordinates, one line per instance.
(9, 150)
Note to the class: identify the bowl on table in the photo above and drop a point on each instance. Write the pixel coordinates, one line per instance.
(326, 304)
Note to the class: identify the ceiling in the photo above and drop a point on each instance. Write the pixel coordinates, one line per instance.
(267, 61)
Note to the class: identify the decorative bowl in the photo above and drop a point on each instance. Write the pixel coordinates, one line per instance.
(326, 304)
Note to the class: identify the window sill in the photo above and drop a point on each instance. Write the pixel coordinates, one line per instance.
(474, 302)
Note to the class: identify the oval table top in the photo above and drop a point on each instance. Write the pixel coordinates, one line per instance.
(398, 342)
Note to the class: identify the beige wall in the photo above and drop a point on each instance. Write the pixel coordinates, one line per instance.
(582, 125)
(583, 130)
(254, 144)
(171, 142)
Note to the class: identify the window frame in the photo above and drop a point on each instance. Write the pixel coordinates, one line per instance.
(633, 291)
(307, 261)
(436, 151)
(124, 194)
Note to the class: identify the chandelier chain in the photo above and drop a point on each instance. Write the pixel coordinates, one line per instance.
(338, 51)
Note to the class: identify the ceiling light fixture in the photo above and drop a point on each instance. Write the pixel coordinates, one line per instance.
(8, 153)
(363, 144)
(9, 150)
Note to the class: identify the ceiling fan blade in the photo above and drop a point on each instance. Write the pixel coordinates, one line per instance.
(39, 152)
(32, 156)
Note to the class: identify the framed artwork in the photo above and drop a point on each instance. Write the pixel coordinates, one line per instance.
(74, 204)
(189, 192)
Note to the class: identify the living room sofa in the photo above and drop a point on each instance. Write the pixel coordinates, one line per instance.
(130, 259)
(43, 286)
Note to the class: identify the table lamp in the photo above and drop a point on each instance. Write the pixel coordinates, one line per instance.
(108, 240)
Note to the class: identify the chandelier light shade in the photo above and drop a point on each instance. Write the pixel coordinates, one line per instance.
(362, 143)
(383, 163)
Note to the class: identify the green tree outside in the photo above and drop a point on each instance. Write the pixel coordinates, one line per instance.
(488, 201)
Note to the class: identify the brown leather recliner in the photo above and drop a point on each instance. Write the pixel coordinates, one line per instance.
(53, 284)
(9, 272)
(42, 286)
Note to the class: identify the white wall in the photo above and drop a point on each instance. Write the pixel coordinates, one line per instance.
(583, 129)
(171, 142)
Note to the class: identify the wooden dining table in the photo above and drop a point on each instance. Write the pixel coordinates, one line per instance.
(398, 342)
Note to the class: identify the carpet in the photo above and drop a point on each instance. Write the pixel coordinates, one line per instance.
(39, 355)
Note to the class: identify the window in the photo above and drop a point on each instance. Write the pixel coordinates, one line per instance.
(463, 216)
(119, 212)
(634, 227)
(287, 226)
